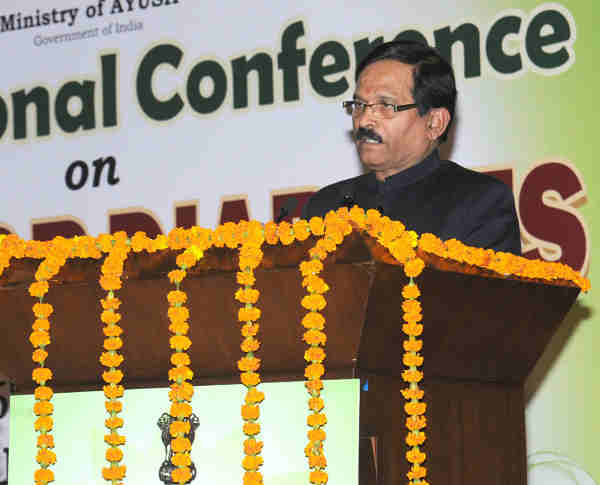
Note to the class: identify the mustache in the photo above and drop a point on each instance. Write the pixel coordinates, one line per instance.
(367, 134)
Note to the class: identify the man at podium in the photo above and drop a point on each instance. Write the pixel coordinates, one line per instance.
(402, 109)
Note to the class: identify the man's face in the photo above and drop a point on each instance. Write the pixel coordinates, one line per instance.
(405, 139)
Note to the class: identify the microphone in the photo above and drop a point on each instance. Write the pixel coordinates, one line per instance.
(347, 201)
(287, 208)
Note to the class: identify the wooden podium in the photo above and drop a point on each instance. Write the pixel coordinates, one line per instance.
(483, 335)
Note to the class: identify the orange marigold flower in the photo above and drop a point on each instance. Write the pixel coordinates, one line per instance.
(114, 472)
(245, 278)
(252, 462)
(43, 423)
(180, 342)
(313, 302)
(38, 288)
(415, 408)
(314, 386)
(112, 330)
(313, 320)
(249, 295)
(180, 373)
(313, 266)
(410, 359)
(42, 310)
(318, 477)
(250, 345)
(41, 324)
(252, 478)
(251, 428)
(139, 241)
(248, 364)
(412, 329)
(43, 408)
(415, 438)
(316, 420)
(112, 391)
(417, 472)
(412, 345)
(112, 376)
(314, 354)
(317, 461)
(250, 412)
(415, 456)
(180, 410)
(316, 403)
(110, 303)
(248, 314)
(43, 475)
(179, 328)
(250, 329)
(41, 375)
(409, 393)
(414, 267)
(180, 445)
(252, 447)
(109, 283)
(45, 440)
(285, 233)
(39, 338)
(254, 396)
(179, 428)
(411, 291)
(412, 375)
(414, 423)
(178, 314)
(317, 226)
(110, 316)
(186, 260)
(114, 454)
(301, 229)
(46, 457)
(39, 356)
(176, 297)
(314, 371)
(43, 393)
(250, 257)
(109, 359)
(113, 343)
(316, 435)
(181, 459)
(113, 422)
(314, 337)
(181, 392)
(250, 379)
(271, 233)
(180, 358)
(411, 306)
(181, 475)
(176, 275)
(114, 439)
(315, 284)
(113, 406)
(413, 317)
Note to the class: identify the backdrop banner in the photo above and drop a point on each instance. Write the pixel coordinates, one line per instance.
(150, 114)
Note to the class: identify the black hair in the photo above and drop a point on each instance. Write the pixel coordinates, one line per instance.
(433, 78)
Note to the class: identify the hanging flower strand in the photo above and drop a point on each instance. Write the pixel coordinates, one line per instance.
(40, 339)
(110, 281)
(333, 229)
(181, 390)
(250, 256)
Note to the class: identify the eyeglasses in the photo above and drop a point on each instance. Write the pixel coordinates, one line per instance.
(380, 110)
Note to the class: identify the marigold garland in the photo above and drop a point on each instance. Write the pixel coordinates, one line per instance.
(181, 390)
(334, 228)
(110, 280)
(251, 237)
(40, 339)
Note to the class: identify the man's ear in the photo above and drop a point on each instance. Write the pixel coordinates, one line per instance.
(438, 119)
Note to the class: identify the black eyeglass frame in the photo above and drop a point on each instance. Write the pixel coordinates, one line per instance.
(350, 107)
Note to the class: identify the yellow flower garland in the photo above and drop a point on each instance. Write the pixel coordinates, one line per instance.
(251, 236)
(110, 281)
(334, 228)
(181, 390)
